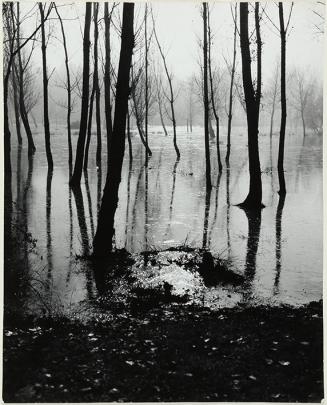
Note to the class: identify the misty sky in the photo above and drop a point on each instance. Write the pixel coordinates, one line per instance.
(179, 29)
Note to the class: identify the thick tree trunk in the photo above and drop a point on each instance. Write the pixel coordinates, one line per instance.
(69, 103)
(230, 108)
(280, 164)
(205, 96)
(103, 239)
(45, 93)
(96, 84)
(107, 78)
(253, 200)
(76, 178)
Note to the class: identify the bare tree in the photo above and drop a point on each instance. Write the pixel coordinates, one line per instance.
(138, 98)
(205, 94)
(212, 97)
(272, 96)
(231, 89)
(77, 174)
(94, 94)
(252, 101)
(283, 32)
(302, 96)
(171, 97)
(160, 101)
(107, 75)
(12, 33)
(102, 244)
(69, 90)
(146, 85)
(21, 70)
(16, 106)
(45, 90)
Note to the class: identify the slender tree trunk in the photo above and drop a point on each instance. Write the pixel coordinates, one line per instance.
(146, 83)
(130, 150)
(107, 78)
(172, 97)
(89, 129)
(162, 120)
(69, 102)
(259, 60)
(280, 164)
(45, 93)
(273, 104)
(253, 200)
(16, 106)
(76, 178)
(159, 99)
(303, 121)
(103, 239)
(139, 123)
(22, 107)
(96, 84)
(205, 95)
(230, 108)
(213, 105)
(272, 118)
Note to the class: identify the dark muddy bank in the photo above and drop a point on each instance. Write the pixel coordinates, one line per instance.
(168, 353)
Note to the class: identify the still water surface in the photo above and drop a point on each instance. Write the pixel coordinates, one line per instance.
(166, 205)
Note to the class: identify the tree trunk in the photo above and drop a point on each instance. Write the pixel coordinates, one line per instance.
(76, 178)
(107, 78)
(303, 120)
(172, 98)
(253, 200)
(205, 96)
(96, 84)
(139, 125)
(213, 105)
(16, 107)
(103, 239)
(280, 164)
(22, 107)
(130, 150)
(146, 83)
(230, 108)
(162, 120)
(69, 106)
(45, 92)
(7, 134)
(89, 129)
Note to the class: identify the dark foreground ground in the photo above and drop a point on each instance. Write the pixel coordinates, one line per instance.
(171, 353)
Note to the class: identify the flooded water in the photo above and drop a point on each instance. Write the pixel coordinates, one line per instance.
(279, 252)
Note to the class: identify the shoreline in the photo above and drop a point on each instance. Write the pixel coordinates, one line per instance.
(168, 353)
